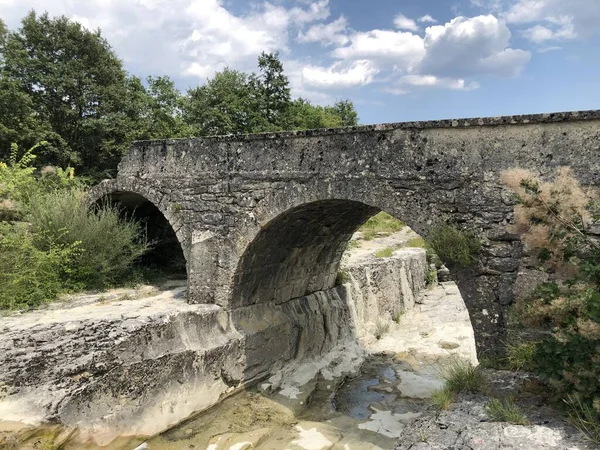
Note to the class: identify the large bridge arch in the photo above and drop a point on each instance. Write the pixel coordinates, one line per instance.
(293, 245)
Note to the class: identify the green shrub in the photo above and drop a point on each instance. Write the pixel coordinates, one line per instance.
(454, 246)
(384, 253)
(552, 218)
(505, 411)
(108, 244)
(381, 223)
(30, 276)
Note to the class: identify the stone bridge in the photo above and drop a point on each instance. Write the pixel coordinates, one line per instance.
(264, 219)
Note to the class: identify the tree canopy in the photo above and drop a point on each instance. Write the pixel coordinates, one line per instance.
(63, 85)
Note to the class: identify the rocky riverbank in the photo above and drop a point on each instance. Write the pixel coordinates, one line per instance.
(351, 368)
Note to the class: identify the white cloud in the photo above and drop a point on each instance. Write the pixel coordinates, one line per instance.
(538, 33)
(384, 47)
(471, 46)
(433, 81)
(182, 37)
(359, 73)
(566, 19)
(316, 11)
(326, 33)
(404, 23)
(427, 19)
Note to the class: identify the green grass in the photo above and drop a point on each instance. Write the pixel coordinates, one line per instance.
(398, 314)
(443, 398)
(380, 224)
(520, 356)
(458, 377)
(431, 277)
(505, 411)
(416, 242)
(585, 418)
(384, 253)
(463, 377)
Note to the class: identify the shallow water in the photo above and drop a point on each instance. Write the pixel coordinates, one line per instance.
(366, 412)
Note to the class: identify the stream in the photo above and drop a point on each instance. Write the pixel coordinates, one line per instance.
(365, 411)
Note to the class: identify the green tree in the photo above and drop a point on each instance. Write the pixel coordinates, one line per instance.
(224, 105)
(164, 109)
(272, 90)
(344, 109)
(75, 82)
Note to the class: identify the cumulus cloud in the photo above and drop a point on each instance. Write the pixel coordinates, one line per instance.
(359, 73)
(404, 23)
(383, 47)
(471, 46)
(326, 33)
(445, 57)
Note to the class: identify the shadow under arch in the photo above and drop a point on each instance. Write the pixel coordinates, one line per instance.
(298, 252)
(167, 253)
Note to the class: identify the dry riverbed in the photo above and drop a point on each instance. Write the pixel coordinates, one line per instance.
(364, 395)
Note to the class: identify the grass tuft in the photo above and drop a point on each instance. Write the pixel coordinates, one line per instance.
(342, 277)
(520, 356)
(463, 377)
(382, 326)
(453, 245)
(505, 411)
(443, 398)
(585, 418)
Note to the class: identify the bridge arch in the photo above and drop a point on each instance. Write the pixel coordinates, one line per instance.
(300, 233)
(162, 224)
(294, 245)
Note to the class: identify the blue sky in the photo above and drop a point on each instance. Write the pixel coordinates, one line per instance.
(398, 60)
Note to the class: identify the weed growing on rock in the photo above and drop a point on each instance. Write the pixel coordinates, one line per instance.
(384, 253)
(520, 356)
(453, 245)
(443, 398)
(505, 410)
(382, 327)
(342, 277)
(463, 377)
(398, 315)
(431, 277)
